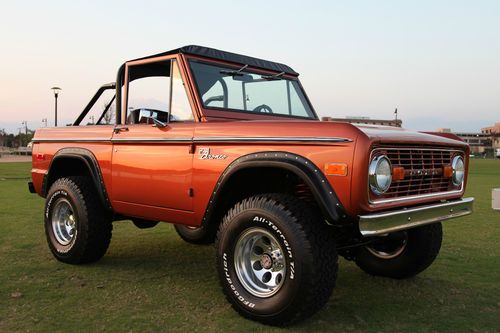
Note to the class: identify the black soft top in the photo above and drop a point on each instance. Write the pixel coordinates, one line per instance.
(227, 56)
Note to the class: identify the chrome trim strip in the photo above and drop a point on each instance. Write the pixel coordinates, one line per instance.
(418, 148)
(406, 218)
(418, 196)
(269, 139)
(71, 140)
(215, 139)
(150, 140)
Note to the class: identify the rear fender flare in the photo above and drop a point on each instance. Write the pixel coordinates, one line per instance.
(89, 160)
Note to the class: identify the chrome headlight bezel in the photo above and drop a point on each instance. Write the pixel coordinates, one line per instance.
(380, 183)
(458, 167)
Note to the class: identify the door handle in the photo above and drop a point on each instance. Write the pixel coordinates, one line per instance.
(119, 129)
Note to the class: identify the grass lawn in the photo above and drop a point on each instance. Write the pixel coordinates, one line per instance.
(151, 281)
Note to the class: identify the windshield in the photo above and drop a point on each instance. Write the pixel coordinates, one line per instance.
(239, 90)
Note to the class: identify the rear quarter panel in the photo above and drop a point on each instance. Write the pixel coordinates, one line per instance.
(96, 139)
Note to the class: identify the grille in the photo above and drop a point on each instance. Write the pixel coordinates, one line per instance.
(423, 171)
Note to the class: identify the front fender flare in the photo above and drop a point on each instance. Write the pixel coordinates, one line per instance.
(313, 177)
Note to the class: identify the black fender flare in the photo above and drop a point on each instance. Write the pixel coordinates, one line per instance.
(324, 194)
(90, 161)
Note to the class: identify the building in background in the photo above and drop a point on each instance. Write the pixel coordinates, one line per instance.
(484, 143)
(494, 133)
(366, 121)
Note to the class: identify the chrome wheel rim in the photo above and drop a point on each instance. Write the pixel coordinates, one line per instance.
(390, 248)
(63, 222)
(259, 262)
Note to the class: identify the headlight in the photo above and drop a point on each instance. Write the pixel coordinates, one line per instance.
(458, 166)
(380, 174)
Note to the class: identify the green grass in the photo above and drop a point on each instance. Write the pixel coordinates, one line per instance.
(151, 281)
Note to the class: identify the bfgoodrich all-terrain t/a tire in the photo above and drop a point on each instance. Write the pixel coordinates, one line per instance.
(404, 254)
(276, 259)
(77, 227)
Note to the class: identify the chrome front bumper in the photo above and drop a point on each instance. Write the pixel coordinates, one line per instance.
(397, 220)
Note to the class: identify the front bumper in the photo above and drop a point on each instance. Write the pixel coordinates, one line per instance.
(397, 220)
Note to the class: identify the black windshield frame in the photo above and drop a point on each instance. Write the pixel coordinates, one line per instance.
(304, 98)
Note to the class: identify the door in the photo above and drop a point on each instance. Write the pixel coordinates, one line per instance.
(152, 161)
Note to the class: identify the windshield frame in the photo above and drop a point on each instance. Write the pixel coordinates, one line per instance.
(223, 112)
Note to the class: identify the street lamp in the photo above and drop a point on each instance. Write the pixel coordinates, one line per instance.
(56, 94)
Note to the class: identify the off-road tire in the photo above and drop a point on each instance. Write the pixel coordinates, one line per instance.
(422, 247)
(93, 222)
(199, 235)
(311, 258)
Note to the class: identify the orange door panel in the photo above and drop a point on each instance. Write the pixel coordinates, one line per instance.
(152, 167)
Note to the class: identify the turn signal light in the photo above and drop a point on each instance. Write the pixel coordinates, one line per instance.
(336, 169)
(447, 171)
(398, 173)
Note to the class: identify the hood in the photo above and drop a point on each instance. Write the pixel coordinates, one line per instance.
(389, 134)
(322, 130)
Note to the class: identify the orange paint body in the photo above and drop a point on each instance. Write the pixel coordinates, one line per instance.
(158, 173)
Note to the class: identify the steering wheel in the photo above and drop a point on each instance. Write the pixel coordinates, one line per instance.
(264, 108)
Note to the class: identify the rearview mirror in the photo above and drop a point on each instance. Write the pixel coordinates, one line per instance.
(243, 78)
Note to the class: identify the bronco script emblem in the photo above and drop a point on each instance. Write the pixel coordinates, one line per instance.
(204, 154)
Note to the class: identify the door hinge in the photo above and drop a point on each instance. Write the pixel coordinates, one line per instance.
(192, 148)
(190, 192)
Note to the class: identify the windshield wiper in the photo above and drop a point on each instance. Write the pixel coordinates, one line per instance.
(234, 73)
(273, 77)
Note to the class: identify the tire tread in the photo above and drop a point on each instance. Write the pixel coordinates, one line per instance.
(320, 247)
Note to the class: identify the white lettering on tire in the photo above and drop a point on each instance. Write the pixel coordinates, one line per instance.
(231, 285)
(285, 242)
(49, 204)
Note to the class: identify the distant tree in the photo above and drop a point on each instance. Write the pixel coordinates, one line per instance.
(9, 140)
(15, 141)
(2, 137)
(108, 116)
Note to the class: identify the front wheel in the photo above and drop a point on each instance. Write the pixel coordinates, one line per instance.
(403, 254)
(276, 259)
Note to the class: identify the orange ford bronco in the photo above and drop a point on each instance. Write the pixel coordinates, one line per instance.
(229, 149)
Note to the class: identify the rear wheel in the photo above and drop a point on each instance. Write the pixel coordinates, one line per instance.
(196, 235)
(77, 227)
(276, 259)
(402, 254)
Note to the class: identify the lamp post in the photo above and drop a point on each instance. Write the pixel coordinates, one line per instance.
(56, 94)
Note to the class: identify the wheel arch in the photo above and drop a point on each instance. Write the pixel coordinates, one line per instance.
(76, 162)
(284, 164)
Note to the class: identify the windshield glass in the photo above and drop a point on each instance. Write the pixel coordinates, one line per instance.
(234, 89)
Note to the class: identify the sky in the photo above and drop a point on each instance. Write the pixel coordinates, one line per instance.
(438, 62)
